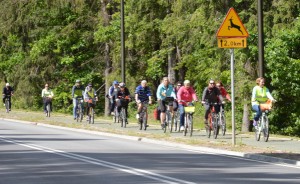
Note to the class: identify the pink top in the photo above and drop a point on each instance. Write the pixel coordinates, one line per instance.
(186, 94)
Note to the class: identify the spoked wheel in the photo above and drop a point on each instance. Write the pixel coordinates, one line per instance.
(185, 125)
(77, 115)
(223, 124)
(123, 118)
(48, 110)
(91, 115)
(7, 105)
(216, 127)
(145, 123)
(266, 129)
(190, 123)
(257, 132)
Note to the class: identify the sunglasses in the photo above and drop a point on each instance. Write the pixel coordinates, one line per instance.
(212, 83)
(46, 86)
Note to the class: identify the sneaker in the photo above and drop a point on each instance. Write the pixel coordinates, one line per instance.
(137, 116)
(181, 128)
(9, 109)
(254, 123)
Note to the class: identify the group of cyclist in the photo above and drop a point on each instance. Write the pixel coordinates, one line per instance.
(176, 97)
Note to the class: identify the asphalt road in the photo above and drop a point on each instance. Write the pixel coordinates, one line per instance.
(35, 154)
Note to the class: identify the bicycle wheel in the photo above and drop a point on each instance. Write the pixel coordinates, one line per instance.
(144, 122)
(80, 113)
(169, 121)
(208, 126)
(77, 114)
(223, 123)
(48, 110)
(7, 105)
(93, 115)
(176, 121)
(185, 125)
(266, 128)
(123, 117)
(190, 127)
(257, 130)
(216, 126)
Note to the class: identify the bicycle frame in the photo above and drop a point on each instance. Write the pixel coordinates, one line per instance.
(79, 109)
(188, 119)
(7, 102)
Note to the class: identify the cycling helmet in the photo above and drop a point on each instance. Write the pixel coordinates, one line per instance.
(115, 82)
(90, 85)
(122, 85)
(78, 80)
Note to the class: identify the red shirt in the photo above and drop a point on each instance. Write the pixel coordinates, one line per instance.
(186, 94)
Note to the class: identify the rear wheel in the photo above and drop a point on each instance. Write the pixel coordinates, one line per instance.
(185, 125)
(266, 128)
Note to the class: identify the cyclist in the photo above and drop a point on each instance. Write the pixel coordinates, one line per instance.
(7, 92)
(260, 95)
(47, 96)
(211, 94)
(90, 94)
(175, 103)
(111, 95)
(185, 94)
(223, 92)
(142, 95)
(77, 92)
(164, 90)
(122, 97)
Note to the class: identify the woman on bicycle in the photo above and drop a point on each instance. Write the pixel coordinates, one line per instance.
(47, 96)
(90, 96)
(164, 90)
(211, 97)
(122, 97)
(223, 92)
(185, 94)
(260, 95)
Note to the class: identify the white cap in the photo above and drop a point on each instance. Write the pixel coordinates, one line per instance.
(186, 82)
(144, 81)
(7, 84)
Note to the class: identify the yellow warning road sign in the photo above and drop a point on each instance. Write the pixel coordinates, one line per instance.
(232, 42)
(232, 26)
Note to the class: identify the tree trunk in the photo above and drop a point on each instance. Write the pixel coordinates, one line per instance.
(246, 122)
(171, 65)
(108, 63)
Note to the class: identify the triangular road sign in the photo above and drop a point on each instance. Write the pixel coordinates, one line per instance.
(232, 26)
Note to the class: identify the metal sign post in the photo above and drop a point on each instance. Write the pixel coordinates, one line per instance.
(232, 95)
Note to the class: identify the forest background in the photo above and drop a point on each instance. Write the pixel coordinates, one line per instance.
(59, 41)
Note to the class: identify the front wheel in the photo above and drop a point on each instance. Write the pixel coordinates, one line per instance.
(123, 118)
(190, 128)
(266, 128)
(48, 110)
(223, 124)
(215, 127)
(257, 131)
(145, 122)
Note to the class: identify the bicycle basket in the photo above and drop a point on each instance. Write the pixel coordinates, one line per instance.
(189, 109)
(266, 106)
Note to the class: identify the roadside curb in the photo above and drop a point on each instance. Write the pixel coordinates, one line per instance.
(199, 149)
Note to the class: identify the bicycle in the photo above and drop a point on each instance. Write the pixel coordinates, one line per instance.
(91, 112)
(122, 116)
(188, 119)
(169, 120)
(213, 119)
(7, 102)
(79, 109)
(116, 115)
(262, 126)
(143, 116)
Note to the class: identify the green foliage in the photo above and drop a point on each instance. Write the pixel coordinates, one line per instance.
(59, 41)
